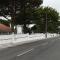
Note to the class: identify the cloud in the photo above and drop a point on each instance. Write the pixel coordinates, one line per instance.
(52, 3)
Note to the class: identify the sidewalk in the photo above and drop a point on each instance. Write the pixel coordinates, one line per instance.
(22, 40)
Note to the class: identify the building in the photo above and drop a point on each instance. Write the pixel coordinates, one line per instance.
(5, 29)
(19, 29)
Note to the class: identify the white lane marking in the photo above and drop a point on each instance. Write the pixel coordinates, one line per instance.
(32, 49)
(25, 52)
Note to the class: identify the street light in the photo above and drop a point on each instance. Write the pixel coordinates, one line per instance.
(46, 27)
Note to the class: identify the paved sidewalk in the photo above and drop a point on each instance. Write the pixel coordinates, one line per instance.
(18, 42)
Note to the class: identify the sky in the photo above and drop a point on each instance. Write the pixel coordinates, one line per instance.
(52, 3)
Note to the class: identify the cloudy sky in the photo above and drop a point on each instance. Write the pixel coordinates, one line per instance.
(52, 3)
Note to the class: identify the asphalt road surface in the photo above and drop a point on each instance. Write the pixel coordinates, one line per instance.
(47, 49)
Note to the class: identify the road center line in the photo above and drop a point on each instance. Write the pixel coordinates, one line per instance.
(25, 52)
(32, 49)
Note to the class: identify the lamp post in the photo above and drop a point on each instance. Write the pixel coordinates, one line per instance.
(46, 27)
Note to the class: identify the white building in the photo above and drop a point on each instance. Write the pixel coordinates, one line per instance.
(19, 29)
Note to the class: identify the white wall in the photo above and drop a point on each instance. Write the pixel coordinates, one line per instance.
(19, 29)
(22, 38)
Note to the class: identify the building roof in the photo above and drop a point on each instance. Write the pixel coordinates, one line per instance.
(4, 28)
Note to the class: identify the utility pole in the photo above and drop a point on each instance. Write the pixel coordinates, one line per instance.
(13, 13)
(46, 27)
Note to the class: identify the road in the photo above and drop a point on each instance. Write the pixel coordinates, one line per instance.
(47, 49)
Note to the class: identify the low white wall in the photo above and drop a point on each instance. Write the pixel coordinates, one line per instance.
(15, 38)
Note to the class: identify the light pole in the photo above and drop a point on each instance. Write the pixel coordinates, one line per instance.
(46, 27)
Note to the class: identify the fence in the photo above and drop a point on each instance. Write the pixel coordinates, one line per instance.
(15, 38)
